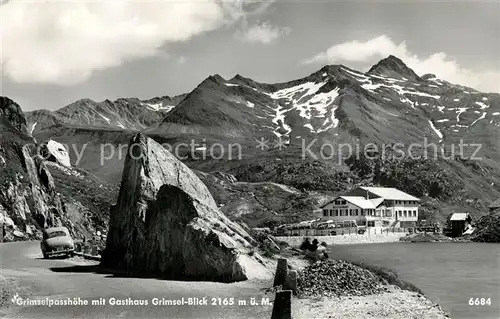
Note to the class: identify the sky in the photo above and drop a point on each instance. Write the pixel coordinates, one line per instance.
(56, 52)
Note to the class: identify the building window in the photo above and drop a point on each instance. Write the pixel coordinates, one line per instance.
(324, 212)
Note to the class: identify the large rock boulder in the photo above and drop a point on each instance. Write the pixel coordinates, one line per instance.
(55, 152)
(166, 223)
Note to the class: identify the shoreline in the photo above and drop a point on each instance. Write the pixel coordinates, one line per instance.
(353, 239)
(398, 298)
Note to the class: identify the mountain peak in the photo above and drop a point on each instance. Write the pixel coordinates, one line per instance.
(394, 67)
(212, 81)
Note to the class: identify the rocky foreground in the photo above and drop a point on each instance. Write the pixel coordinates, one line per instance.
(395, 303)
(431, 238)
(337, 278)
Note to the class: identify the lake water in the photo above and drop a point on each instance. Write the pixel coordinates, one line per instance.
(448, 273)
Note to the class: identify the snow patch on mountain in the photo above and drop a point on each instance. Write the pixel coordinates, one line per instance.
(460, 111)
(310, 104)
(482, 105)
(435, 80)
(33, 128)
(159, 107)
(480, 118)
(309, 126)
(438, 132)
(279, 119)
(105, 118)
(305, 89)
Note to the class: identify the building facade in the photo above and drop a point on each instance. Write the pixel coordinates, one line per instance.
(373, 207)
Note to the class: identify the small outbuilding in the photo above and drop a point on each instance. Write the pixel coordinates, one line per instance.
(459, 223)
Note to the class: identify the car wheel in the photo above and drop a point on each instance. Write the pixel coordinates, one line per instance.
(45, 256)
(71, 254)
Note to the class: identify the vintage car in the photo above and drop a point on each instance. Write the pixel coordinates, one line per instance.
(57, 241)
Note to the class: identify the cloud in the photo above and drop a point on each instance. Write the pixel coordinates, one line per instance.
(440, 64)
(64, 42)
(264, 33)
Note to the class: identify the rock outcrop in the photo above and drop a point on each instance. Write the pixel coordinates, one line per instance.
(166, 223)
(35, 194)
(11, 116)
(29, 198)
(55, 152)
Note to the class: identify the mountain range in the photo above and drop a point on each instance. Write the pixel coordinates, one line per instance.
(386, 106)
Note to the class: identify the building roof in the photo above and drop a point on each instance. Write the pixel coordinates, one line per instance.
(459, 216)
(360, 201)
(495, 204)
(389, 193)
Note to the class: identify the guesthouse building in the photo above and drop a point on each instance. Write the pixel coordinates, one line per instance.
(373, 207)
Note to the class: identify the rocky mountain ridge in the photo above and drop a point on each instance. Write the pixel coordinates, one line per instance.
(121, 114)
(388, 105)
